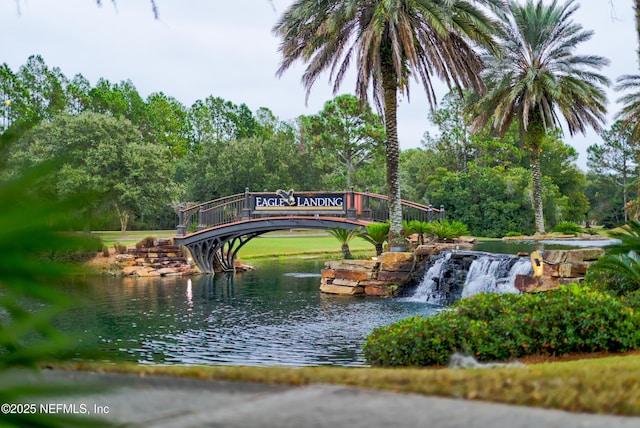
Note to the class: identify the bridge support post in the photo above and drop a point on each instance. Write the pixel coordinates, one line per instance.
(442, 212)
(352, 213)
(366, 210)
(246, 211)
(430, 214)
(181, 228)
(201, 223)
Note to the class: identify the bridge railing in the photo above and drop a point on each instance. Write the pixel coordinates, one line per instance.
(207, 214)
(375, 207)
(358, 205)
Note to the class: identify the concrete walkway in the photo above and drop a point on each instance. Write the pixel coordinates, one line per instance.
(157, 401)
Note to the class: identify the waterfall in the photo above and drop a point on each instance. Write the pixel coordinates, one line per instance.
(494, 274)
(427, 291)
(456, 275)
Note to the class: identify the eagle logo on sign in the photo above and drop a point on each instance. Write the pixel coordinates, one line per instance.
(287, 197)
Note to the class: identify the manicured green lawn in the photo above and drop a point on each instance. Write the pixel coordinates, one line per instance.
(277, 244)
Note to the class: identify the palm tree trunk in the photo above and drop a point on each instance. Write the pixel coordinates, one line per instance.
(536, 178)
(533, 139)
(346, 251)
(378, 248)
(390, 90)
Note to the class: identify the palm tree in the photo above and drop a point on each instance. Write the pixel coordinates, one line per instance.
(376, 234)
(345, 236)
(387, 41)
(622, 261)
(630, 113)
(538, 77)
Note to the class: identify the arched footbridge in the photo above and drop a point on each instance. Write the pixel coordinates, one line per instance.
(215, 231)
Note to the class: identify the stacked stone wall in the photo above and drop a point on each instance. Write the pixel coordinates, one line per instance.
(161, 259)
(559, 267)
(384, 277)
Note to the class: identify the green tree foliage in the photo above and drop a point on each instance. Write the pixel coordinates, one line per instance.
(118, 100)
(42, 90)
(537, 76)
(387, 42)
(457, 145)
(490, 201)
(559, 171)
(165, 124)
(606, 200)
(615, 160)
(563, 183)
(346, 136)
(217, 120)
(104, 155)
(271, 159)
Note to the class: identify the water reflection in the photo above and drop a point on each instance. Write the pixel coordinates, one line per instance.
(274, 315)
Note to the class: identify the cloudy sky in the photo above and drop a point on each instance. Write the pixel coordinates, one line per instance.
(198, 48)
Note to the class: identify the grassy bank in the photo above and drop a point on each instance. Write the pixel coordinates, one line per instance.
(273, 244)
(131, 237)
(277, 244)
(603, 385)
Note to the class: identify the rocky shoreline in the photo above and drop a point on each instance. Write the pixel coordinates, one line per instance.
(148, 258)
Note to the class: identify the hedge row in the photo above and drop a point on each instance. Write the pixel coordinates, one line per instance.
(504, 326)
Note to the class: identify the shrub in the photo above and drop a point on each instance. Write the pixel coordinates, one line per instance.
(568, 228)
(502, 326)
(87, 247)
(445, 229)
(120, 248)
(513, 234)
(416, 226)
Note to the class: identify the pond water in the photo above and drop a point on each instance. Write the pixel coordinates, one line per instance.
(274, 315)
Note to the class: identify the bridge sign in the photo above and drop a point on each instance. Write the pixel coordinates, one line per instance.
(219, 228)
(282, 202)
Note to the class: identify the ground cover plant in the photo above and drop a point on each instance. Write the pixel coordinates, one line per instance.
(504, 326)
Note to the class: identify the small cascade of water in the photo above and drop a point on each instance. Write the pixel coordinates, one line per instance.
(427, 291)
(456, 275)
(494, 274)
